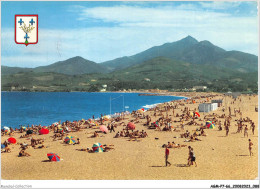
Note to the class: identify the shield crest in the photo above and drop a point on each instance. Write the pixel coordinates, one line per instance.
(26, 29)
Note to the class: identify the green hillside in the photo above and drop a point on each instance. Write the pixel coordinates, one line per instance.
(73, 66)
(160, 72)
(5, 70)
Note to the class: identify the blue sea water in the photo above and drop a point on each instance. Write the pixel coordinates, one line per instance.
(45, 108)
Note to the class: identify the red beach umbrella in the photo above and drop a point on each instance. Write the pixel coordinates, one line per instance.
(44, 131)
(103, 128)
(142, 109)
(197, 114)
(131, 126)
(53, 157)
(12, 140)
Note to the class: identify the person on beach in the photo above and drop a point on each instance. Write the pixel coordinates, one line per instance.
(250, 147)
(95, 134)
(89, 150)
(101, 119)
(219, 126)
(23, 153)
(117, 135)
(78, 141)
(112, 128)
(167, 153)
(107, 148)
(192, 157)
(253, 127)
(227, 130)
(246, 131)
(189, 159)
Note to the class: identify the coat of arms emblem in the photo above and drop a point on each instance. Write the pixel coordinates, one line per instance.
(26, 29)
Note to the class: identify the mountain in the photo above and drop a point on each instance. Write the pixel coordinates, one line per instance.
(73, 66)
(187, 49)
(170, 50)
(6, 70)
(178, 65)
(192, 51)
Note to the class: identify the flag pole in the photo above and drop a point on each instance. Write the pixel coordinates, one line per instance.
(110, 105)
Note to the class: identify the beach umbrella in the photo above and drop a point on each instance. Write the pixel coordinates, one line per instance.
(29, 132)
(97, 147)
(6, 128)
(55, 123)
(2, 146)
(23, 127)
(12, 140)
(106, 118)
(70, 140)
(7, 131)
(197, 114)
(103, 128)
(44, 131)
(210, 125)
(61, 130)
(140, 111)
(131, 126)
(53, 157)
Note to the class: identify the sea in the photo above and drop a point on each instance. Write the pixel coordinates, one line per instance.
(45, 108)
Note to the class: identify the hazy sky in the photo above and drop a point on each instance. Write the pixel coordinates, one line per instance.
(101, 31)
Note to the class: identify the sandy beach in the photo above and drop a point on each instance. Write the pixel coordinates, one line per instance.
(218, 157)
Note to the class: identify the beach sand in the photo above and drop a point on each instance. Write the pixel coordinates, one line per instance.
(218, 157)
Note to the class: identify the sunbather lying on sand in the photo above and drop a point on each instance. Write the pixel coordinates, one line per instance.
(6, 149)
(106, 149)
(23, 153)
(82, 149)
(117, 135)
(95, 134)
(39, 147)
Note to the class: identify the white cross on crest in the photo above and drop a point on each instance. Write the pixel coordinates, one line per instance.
(26, 29)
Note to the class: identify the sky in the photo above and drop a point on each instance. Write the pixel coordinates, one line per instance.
(102, 31)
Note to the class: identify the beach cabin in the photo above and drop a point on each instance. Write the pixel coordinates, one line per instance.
(219, 102)
(214, 106)
(207, 107)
